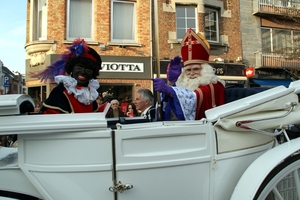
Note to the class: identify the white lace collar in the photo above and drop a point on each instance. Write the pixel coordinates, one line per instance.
(85, 95)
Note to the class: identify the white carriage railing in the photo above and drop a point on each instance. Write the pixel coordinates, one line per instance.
(273, 60)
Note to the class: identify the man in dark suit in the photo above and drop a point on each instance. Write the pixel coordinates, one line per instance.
(144, 101)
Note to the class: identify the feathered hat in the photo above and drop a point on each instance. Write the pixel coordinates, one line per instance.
(194, 48)
(78, 52)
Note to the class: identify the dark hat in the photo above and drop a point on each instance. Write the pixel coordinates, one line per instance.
(78, 52)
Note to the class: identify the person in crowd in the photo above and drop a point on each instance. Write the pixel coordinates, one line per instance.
(144, 101)
(37, 105)
(99, 100)
(101, 104)
(115, 110)
(76, 76)
(193, 89)
(107, 96)
(131, 110)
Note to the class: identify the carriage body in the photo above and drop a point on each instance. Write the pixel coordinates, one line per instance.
(77, 156)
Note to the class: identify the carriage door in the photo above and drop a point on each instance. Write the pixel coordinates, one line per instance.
(156, 161)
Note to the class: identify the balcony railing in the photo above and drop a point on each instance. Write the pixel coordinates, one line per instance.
(272, 60)
(277, 7)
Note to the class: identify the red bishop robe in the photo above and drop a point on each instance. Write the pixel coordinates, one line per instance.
(191, 105)
(209, 96)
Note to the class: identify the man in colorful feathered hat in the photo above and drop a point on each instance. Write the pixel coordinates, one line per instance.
(193, 88)
(76, 76)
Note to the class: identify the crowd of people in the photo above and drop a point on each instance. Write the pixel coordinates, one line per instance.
(144, 102)
(143, 105)
(115, 110)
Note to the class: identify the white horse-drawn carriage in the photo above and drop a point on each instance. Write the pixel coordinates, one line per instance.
(231, 154)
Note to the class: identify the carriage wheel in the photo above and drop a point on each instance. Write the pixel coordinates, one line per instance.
(283, 183)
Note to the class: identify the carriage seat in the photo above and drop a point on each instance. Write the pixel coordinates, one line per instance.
(233, 94)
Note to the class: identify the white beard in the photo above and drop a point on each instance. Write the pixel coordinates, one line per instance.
(207, 76)
(191, 84)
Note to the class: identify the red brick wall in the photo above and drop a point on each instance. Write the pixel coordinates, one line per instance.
(231, 27)
(56, 30)
(228, 26)
(57, 27)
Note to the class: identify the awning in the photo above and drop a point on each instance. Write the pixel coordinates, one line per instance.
(272, 82)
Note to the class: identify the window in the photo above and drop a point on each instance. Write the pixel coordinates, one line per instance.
(39, 20)
(185, 19)
(80, 18)
(123, 17)
(211, 25)
(279, 40)
(296, 39)
(266, 40)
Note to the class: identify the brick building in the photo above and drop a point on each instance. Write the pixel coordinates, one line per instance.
(123, 33)
(270, 29)
(118, 30)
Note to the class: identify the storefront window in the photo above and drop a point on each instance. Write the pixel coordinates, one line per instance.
(38, 92)
(123, 93)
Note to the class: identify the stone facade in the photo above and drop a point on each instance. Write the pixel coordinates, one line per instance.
(250, 32)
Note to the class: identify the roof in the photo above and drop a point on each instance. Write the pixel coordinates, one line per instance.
(5, 70)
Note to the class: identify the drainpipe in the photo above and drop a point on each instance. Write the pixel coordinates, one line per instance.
(201, 10)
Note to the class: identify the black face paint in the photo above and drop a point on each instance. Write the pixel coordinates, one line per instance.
(82, 74)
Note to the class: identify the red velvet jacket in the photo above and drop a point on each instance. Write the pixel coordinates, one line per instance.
(59, 101)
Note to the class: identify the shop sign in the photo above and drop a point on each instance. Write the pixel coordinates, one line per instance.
(228, 69)
(122, 67)
(250, 72)
(219, 71)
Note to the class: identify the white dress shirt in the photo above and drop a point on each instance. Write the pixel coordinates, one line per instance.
(145, 113)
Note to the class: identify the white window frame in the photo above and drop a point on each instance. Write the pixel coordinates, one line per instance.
(216, 21)
(134, 31)
(87, 38)
(38, 20)
(185, 18)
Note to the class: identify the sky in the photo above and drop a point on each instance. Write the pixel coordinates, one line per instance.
(13, 34)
